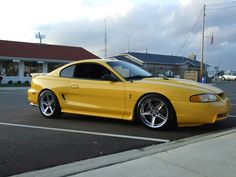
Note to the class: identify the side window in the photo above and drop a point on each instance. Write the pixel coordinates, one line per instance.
(68, 72)
(90, 71)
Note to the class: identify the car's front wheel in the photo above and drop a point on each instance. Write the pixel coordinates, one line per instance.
(156, 112)
(49, 105)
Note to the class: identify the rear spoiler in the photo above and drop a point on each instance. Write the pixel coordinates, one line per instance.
(37, 74)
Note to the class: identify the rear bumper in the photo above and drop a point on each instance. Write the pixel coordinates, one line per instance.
(33, 97)
(35, 105)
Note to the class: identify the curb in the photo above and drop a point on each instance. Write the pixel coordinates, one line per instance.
(108, 160)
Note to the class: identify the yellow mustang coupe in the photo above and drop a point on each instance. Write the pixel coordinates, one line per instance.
(117, 89)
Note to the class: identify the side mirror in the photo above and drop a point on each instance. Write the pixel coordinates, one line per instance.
(109, 77)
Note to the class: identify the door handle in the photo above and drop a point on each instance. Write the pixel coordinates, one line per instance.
(74, 86)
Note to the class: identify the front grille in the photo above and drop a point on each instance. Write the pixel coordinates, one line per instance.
(222, 95)
(221, 115)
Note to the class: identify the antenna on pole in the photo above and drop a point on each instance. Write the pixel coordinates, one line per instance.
(40, 37)
(105, 39)
(202, 47)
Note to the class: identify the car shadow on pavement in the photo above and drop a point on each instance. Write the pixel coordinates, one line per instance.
(101, 122)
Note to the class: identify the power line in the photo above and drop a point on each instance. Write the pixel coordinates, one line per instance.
(228, 16)
(216, 6)
(210, 12)
(221, 4)
(189, 34)
(220, 8)
(219, 1)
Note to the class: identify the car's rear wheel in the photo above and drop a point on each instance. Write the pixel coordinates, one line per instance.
(222, 78)
(49, 105)
(156, 112)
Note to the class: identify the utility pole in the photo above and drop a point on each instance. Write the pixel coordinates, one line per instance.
(202, 47)
(105, 39)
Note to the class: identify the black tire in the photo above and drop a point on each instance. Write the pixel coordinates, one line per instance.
(222, 78)
(156, 112)
(49, 105)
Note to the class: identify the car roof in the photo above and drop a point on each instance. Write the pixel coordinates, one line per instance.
(57, 71)
(95, 61)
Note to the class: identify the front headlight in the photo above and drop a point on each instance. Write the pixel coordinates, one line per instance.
(204, 98)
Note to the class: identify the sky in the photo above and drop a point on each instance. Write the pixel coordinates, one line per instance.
(169, 27)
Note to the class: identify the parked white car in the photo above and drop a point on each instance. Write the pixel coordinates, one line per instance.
(228, 76)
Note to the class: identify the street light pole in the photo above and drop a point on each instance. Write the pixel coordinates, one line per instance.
(202, 47)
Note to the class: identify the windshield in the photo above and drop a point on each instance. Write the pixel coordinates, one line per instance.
(128, 70)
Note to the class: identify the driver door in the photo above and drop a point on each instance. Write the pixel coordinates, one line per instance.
(89, 94)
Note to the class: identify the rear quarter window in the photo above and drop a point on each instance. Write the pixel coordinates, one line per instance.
(68, 71)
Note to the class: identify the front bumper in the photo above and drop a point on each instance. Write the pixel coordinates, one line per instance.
(201, 113)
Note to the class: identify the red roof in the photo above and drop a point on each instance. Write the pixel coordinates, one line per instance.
(43, 51)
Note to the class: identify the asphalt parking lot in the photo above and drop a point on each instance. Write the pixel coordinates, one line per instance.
(30, 142)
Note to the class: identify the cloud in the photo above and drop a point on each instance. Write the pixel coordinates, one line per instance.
(160, 26)
(135, 24)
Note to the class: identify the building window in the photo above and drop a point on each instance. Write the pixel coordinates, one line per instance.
(52, 66)
(9, 68)
(32, 67)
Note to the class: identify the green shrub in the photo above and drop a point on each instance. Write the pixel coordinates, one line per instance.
(10, 82)
(26, 83)
(18, 83)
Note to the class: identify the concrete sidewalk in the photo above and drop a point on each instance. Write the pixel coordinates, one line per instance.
(212, 155)
(212, 158)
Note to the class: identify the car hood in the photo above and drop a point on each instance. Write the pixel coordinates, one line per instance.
(182, 83)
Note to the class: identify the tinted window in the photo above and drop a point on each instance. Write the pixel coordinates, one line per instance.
(128, 70)
(90, 71)
(68, 72)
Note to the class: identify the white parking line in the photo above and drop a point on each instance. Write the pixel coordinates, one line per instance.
(233, 104)
(232, 115)
(10, 93)
(86, 132)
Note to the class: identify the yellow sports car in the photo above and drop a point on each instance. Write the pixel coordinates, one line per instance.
(117, 89)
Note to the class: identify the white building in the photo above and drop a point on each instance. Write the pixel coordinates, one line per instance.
(167, 65)
(19, 59)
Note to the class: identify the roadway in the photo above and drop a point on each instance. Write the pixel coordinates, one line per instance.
(30, 142)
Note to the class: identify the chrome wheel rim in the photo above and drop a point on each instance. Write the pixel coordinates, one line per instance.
(47, 104)
(154, 112)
